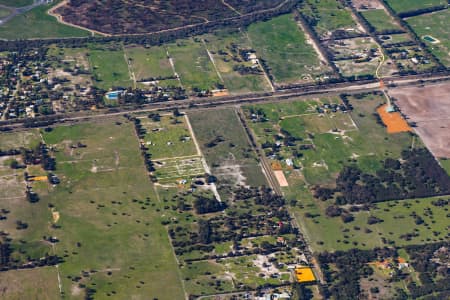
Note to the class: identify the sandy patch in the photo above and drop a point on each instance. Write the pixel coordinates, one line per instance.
(281, 178)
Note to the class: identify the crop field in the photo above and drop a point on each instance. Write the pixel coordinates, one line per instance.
(239, 74)
(150, 64)
(109, 68)
(285, 48)
(98, 204)
(380, 20)
(331, 15)
(193, 65)
(435, 25)
(226, 148)
(38, 24)
(412, 5)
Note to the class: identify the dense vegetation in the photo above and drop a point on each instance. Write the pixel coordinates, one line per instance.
(125, 17)
(416, 175)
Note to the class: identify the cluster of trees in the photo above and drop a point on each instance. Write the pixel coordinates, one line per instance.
(204, 205)
(349, 267)
(39, 155)
(418, 175)
(431, 262)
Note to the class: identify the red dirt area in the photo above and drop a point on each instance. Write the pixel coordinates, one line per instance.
(393, 121)
(429, 108)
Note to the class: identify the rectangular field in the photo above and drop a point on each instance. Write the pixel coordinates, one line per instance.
(380, 20)
(436, 26)
(193, 65)
(285, 49)
(226, 148)
(239, 74)
(109, 68)
(412, 5)
(428, 108)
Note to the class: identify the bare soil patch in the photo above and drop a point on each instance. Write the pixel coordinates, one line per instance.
(367, 4)
(429, 108)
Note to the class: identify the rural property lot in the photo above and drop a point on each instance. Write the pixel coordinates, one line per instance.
(429, 108)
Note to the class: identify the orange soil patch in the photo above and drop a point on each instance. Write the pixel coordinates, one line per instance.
(221, 93)
(39, 178)
(304, 274)
(276, 166)
(281, 178)
(393, 121)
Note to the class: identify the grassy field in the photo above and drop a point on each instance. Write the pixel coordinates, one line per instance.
(150, 63)
(108, 225)
(193, 65)
(168, 138)
(225, 146)
(411, 5)
(285, 49)
(109, 68)
(434, 25)
(4, 12)
(16, 140)
(37, 24)
(225, 48)
(331, 15)
(335, 140)
(39, 283)
(379, 19)
(16, 3)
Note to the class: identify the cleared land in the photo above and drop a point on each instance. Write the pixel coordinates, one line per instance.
(39, 283)
(393, 120)
(226, 148)
(429, 108)
(281, 44)
(435, 25)
(38, 24)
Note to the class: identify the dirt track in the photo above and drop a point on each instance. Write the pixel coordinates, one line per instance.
(429, 108)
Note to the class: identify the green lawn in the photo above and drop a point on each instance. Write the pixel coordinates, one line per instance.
(284, 48)
(379, 19)
(411, 5)
(109, 68)
(435, 25)
(38, 24)
(4, 12)
(193, 65)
